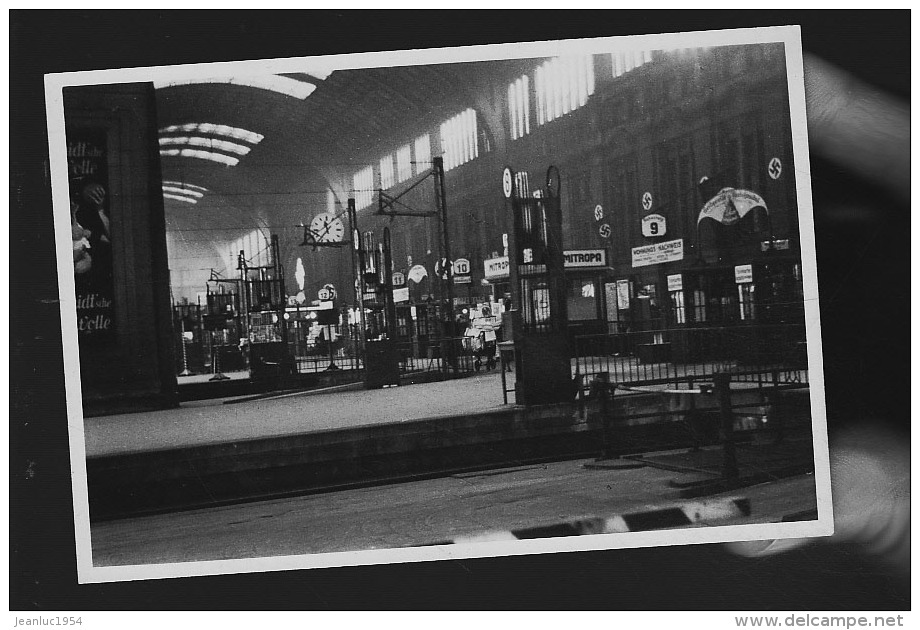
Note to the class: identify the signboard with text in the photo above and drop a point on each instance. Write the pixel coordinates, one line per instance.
(623, 294)
(744, 273)
(668, 251)
(676, 282)
(585, 258)
(496, 268)
(654, 225)
(87, 161)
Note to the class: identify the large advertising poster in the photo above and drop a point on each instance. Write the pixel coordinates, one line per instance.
(91, 233)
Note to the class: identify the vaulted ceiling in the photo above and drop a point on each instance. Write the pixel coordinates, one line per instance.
(309, 145)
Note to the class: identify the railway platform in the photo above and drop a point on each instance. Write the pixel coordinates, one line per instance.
(224, 451)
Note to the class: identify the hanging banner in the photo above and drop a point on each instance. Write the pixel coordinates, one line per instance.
(91, 233)
(668, 251)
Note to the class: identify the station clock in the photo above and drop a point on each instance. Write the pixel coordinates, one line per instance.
(327, 228)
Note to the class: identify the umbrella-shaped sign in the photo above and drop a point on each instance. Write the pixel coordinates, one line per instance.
(417, 273)
(730, 205)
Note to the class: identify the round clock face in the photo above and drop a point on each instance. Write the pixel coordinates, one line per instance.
(327, 228)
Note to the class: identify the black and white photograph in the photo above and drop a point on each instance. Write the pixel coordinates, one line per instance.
(454, 303)
(420, 305)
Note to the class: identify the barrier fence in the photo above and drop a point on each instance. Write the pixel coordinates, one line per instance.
(761, 355)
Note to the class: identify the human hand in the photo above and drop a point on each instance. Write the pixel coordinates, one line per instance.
(870, 486)
(95, 194)
(866, 132)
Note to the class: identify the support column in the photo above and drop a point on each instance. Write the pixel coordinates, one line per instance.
(448, 304)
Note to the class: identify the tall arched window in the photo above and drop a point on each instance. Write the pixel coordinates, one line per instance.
(519, 107)
(623, 62)
(459, 139)
(363, 183)
(563, 84)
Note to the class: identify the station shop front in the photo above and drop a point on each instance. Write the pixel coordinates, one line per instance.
(586, 274)
(745, 302)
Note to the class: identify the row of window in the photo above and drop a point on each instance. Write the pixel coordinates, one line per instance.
(561, 85)
(459, 144)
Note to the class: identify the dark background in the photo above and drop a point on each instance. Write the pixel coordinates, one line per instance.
(864, 277)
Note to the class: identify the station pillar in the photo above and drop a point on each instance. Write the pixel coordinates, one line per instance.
(536, 265)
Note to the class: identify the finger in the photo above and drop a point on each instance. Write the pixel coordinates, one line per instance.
(870, 472)
(858, 126)
(761, 548)
(871, 486)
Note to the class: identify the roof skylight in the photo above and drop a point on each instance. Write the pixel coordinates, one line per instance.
(180, 198)
(214, 129)
(183, 191)
(271, 82)
(203, 155)
(207, 143)
(187, 187)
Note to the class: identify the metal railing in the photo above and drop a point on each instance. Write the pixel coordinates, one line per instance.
(447, 357)
(757, 354)
(453, 356)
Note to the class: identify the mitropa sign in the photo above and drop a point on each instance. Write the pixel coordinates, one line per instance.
(585, 258)
(658, 253)
(495, 268)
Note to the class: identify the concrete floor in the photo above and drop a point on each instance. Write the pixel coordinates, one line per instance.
(209, 422)
(418, 513)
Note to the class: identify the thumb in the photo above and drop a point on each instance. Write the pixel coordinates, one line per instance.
(870, 486)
